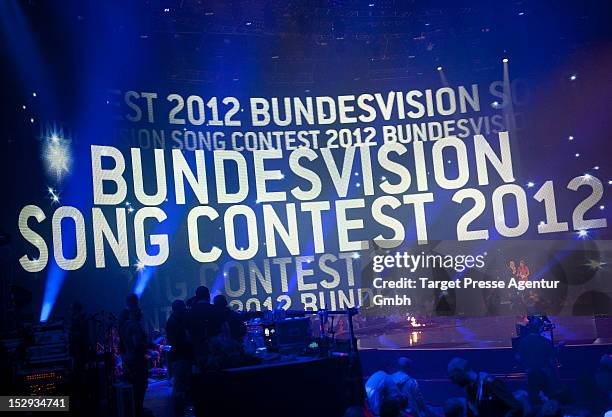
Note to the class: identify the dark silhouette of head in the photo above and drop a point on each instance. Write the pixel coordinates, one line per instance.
(391, 407)
(220, 300)
(131, 301)
(179, 307)
(460, 372)
(404, 364)
(203, 293)
(77, 307)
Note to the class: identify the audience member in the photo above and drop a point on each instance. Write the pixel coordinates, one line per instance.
(550, 408)
(536, 354)
(380, 387)
(603, 378)
(522, 396)
(79, 343)
(486, 395)
(354, 411)
(409, 387)
(454, 407)
(392, 407)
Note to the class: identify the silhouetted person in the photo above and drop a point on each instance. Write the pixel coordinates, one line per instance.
(536, 353)
(550, 408)
(233, 319)
(204, 322)
(409, 387)
(354, 411)
(180, 357)
(392, 407)
(79, 348)
(131, 304)
(454, 407)
(78, 335)
(486, 395)
(603, 377)
(379, 388)
(134, 348)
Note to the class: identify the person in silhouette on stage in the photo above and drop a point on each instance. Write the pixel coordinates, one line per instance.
(133, 345)
(234, 321)
(131, 304)
(78, 337)
(180, 356)
(204, 322)
(487, 396)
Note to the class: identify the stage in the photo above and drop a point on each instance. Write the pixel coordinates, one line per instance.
(474, 332)
(485, 342)
(578, 365)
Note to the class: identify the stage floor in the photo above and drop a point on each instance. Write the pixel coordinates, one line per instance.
(474, 332)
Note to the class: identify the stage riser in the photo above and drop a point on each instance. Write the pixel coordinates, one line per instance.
(431, 363)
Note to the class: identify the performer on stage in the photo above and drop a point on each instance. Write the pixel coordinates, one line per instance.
(134, 343)
(522, 272)
(181, 355)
